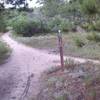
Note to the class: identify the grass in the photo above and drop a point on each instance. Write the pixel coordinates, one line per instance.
(94, 37)
(63, 86)
(75, 44)
(4, 52)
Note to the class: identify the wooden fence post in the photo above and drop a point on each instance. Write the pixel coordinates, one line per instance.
(61, 48)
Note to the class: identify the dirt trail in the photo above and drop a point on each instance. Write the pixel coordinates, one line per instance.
(23, 62)
(16, 74)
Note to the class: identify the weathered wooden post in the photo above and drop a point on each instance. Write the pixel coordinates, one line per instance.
(61, 48)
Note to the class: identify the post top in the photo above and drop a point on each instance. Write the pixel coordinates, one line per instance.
(59, 31)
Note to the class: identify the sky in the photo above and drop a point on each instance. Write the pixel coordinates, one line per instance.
(32, 4)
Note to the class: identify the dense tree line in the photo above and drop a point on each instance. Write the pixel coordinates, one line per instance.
(66, 14)
(73, 7)
(85, 13)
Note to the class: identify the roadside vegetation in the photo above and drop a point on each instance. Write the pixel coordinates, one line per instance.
(77, 82)
(86, 45)
(5, 52)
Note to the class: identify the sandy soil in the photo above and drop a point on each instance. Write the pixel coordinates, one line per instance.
(16, 73)
(19, 77)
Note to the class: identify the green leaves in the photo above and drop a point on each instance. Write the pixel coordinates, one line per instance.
(90, 7)
(4, 52)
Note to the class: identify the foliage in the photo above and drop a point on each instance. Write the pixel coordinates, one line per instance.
(58, 22)
(54, 23)
(67, 26)
(51, 7)
(74, 11)
(4, 51)
(28, 27)
(79, 42)
(73, 7)
(94, 37)
(70, 64)
(87, 26)
(89, 7)
(2, 24)
(11, 13)
(1, 6)
(97, 25)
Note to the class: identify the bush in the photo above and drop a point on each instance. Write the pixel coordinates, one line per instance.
(4, 52)
(2, 24)
(79, 42)
(94, 37)
(97, 26)
(28, 27)
(67, 26)
(54, 23)
(60, 23)
(70, 64)
(87, 26)
(89, 7)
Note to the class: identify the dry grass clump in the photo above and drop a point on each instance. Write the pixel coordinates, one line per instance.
(67, 86)
(75, 44)
(4, 52)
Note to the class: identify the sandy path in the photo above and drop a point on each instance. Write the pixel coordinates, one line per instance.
(24, 62)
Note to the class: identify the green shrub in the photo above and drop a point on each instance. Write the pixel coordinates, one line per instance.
(89, 7)
(84, 25)
(94, 37)
(4, 52)
(28, 27)
(2, 24)
(11, 13)
(54, 23)
(70, 64)
(60, 23)
(67, 26)
(79, 42)
(88, 26)
(97, 26)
